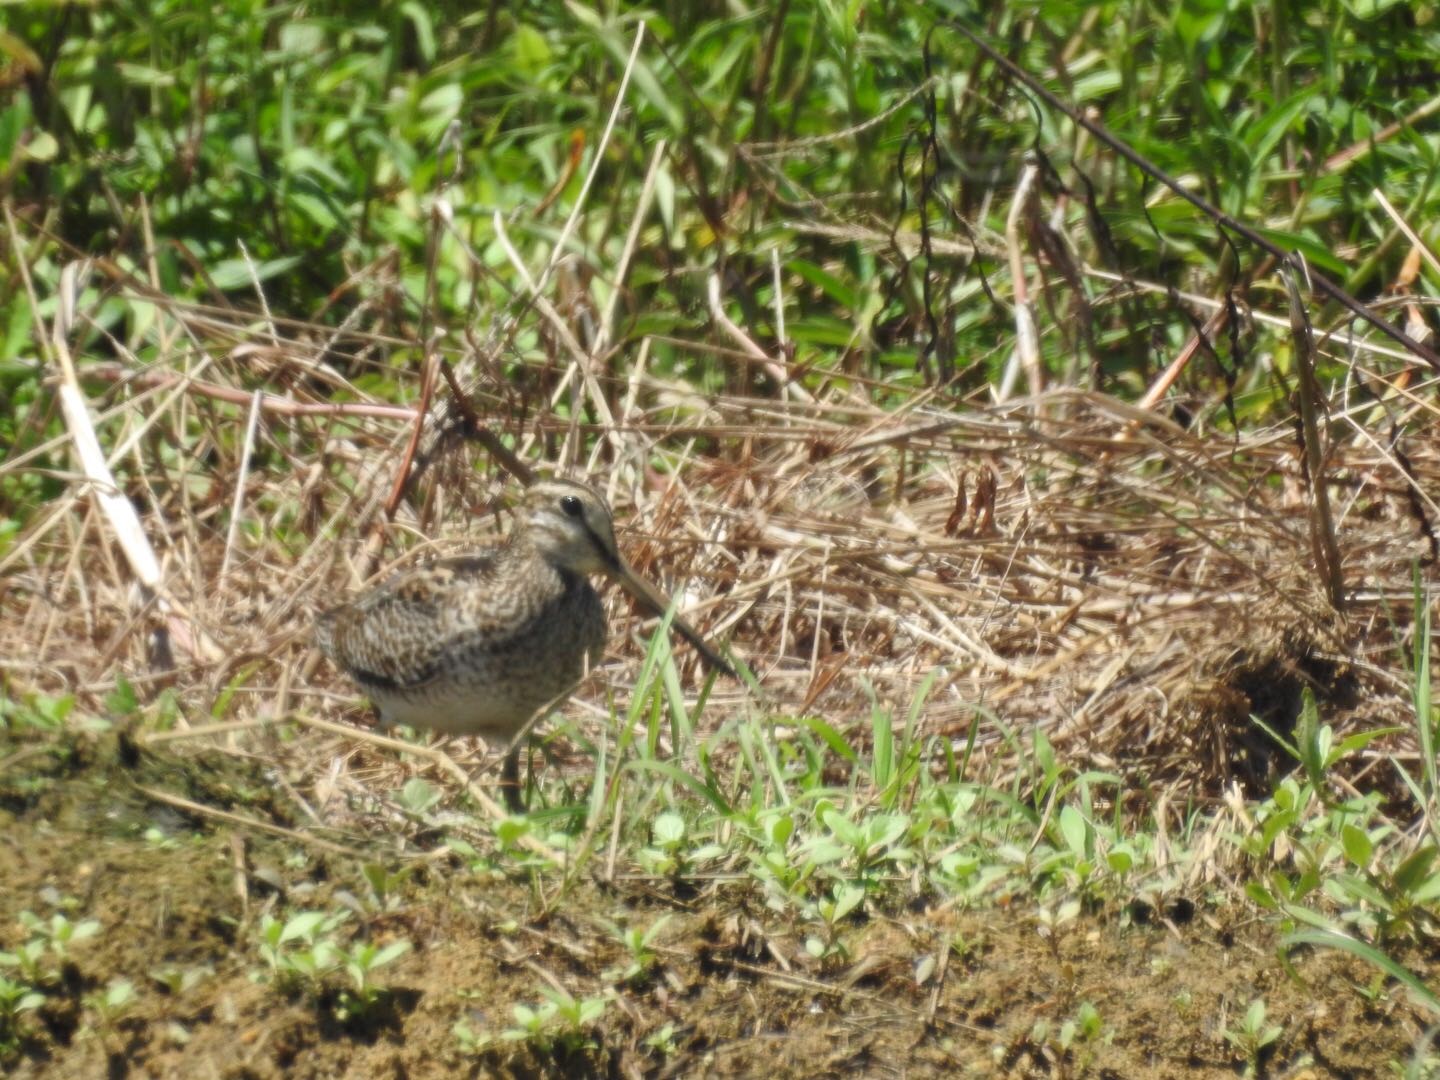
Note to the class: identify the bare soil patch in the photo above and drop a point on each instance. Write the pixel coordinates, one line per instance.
(732, 984)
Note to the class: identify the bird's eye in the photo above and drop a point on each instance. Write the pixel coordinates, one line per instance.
(571, 505)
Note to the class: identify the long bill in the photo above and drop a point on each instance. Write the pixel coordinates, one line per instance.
(658, 604)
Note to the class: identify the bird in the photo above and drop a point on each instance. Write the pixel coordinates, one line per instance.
(478, 644)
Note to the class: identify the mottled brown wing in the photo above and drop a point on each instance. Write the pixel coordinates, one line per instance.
(397, 634)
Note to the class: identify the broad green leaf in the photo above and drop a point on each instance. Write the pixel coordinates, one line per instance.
(1415, 869)
(420, 20)
(830, 284)
(1075, 830)
(229, 275)
(1357, 846)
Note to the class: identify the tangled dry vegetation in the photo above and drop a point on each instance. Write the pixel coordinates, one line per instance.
(1073, 564)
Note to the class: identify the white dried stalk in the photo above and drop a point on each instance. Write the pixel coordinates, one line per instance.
(237, 505)
(1027, 346)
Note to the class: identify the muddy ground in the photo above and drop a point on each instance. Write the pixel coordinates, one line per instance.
(731, 992)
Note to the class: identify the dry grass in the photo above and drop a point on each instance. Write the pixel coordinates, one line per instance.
(1134, 589)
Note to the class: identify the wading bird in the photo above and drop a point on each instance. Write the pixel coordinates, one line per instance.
(479, 644)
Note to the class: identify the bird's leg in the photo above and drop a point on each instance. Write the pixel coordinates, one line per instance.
(510, 780)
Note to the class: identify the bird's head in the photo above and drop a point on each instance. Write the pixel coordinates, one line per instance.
(570, 525)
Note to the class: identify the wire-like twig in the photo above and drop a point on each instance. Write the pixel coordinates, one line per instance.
(1121, 147)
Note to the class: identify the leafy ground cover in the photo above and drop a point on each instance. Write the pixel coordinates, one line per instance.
(205, 946)
(1080, 563)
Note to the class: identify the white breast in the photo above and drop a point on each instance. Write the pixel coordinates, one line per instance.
(453, 709)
